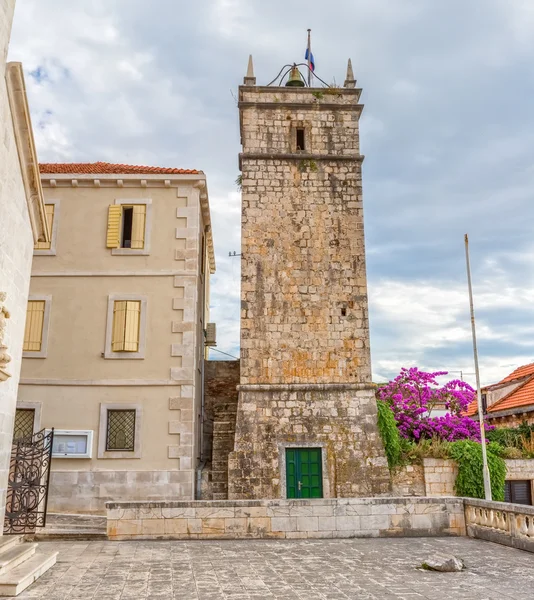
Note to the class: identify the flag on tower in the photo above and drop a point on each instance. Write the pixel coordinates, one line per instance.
(309, 57)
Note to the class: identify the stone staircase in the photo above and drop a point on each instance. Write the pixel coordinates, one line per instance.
(72, 527)
(21, 564)
(224, 420)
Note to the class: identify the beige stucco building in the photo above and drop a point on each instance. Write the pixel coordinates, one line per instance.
(22, 223)
(115, 337)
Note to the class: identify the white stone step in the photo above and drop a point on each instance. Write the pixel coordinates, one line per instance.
(18, 579)
(8, 541)
(12, 557)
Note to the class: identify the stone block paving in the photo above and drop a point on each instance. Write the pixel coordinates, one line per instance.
(381, 569)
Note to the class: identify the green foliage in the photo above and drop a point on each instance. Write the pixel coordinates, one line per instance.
(307, 164)
(389, 433)
(470, 481)
(519, 441)
(239, 182)
(319, 95)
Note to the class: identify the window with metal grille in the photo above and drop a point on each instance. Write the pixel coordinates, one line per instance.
(24, 418)
(121, 430)
(518, 492)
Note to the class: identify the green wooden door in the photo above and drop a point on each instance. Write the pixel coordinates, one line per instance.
(304, 473)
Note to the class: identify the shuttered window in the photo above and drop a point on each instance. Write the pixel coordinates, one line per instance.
(49, 211)
(125, 329)
(114, 226)
(138, 226)
(126, 226)
(518, 492)
(33, 332)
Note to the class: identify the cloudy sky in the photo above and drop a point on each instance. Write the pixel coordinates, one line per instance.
(448, 134)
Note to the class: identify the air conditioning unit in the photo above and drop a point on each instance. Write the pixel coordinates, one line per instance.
(211, 334)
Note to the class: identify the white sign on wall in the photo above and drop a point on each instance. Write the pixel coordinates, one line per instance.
(72, 443)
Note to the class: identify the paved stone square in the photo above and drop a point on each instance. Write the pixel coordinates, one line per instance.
(380, 569)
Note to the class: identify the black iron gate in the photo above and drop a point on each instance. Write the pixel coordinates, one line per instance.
(27, 487)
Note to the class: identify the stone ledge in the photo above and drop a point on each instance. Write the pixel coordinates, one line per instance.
(300, 387)
(286, 519)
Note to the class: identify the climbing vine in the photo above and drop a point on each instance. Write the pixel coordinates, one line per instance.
(389, 433)
(470, 481)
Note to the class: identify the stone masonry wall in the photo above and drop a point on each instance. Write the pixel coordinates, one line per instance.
(440, 476)
(16, 250)
(221, 381)
(305, 356)
(341, 422)
(303, 289)
(408, 480)
(437, 476)
(286, 519)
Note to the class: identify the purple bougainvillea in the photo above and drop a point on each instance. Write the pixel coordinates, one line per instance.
(414, 394)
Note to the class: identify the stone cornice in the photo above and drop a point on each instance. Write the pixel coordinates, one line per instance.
(299, 157)
(302, 105)
(118, 179)
(29, 165)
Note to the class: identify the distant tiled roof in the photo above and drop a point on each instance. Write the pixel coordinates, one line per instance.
(520, 372)
(101, 168)
(472, 409)
(522, 395)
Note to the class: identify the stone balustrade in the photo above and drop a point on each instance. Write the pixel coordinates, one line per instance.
(286, 519)
(501, 522)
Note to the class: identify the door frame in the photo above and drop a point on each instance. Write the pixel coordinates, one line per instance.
(282, 446)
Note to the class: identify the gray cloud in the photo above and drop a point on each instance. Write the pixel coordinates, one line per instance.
(447, 133)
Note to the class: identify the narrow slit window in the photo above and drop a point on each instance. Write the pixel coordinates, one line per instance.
(127, 222)
(300, 139)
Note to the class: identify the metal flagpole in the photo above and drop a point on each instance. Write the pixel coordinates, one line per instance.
(485, 470)
(309, 57)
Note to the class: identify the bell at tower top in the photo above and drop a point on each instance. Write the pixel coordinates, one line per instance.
(299, 75)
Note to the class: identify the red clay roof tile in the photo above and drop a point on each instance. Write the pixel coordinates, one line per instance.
(520, 372)
(102, 168)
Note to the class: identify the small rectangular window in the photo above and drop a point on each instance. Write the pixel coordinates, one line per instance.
(33, 332)
(120, 430)
(300, 139)
(23, 428)
(125, 328)
(127, 220)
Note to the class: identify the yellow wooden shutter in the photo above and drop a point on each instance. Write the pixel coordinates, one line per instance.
(49, 210)
(125, 331)
(114, 226)
(119, 323)
(138, 226)
(131, 330)
(33, 332)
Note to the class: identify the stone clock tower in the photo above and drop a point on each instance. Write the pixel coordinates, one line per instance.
(306, 420)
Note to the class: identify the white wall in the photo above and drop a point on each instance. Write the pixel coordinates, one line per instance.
(16, 248)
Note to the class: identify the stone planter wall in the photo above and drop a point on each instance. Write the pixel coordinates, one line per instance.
(286, 519)
(440, 476)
